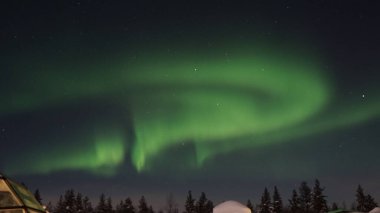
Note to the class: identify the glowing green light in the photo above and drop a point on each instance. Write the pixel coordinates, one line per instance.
(101, 156)
(250, 95)
(257, 96)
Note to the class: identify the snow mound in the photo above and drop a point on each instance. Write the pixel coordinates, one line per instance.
(375, 210)
(231, 207)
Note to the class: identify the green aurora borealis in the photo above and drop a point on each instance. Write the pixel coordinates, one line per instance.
(136, 98)
(246, 96)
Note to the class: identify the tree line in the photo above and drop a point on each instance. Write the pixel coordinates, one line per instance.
(305, 199)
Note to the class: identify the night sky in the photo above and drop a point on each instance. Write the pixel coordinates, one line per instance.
(224, 97)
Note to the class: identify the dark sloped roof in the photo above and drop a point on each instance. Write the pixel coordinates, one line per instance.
(14, 195)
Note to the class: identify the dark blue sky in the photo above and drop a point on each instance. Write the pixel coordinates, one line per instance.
(94, 97)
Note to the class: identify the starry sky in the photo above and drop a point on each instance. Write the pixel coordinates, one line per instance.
(226, 97)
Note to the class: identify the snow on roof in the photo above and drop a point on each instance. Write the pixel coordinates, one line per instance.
(231, 207)
(375, 210)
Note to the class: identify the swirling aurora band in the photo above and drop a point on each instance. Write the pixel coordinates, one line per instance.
(250, 98)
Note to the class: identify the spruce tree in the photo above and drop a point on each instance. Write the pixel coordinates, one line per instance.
(249, 205)
(265, 205)
(360, 199)
(125, 206)
(305, 197)
(295, 205)
(209, 206)
(319, 203)
(37, 195)
(69, 201)
(201, 204)
(102, 206)
(143, 206)
(119, 207)
(109, 208)
(49, 207)
(277, 201)
(87, 206)
(189, 204)
(369, 203)
(129, 205)
(60, 206)
(79, 203)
